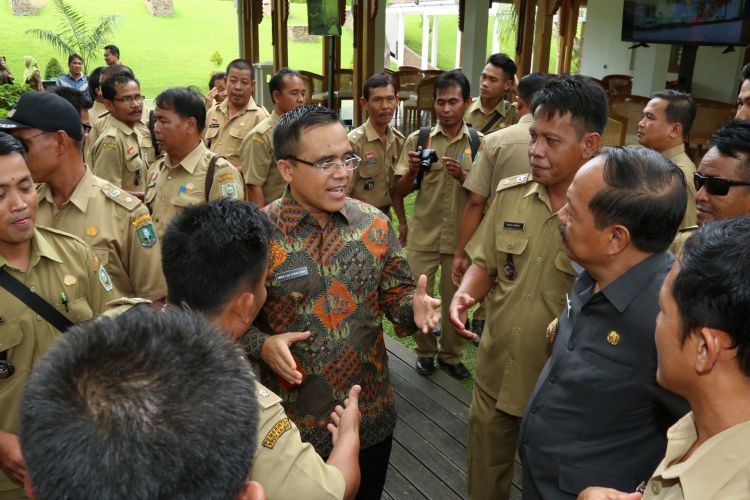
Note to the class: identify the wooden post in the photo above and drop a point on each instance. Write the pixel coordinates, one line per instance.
(366, 13)
(543, 34)
(526, 26)
(280, 16)
(250, 14)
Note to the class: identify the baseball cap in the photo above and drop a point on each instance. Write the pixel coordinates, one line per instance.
(45, 111)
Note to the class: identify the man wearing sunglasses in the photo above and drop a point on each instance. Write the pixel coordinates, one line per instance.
(722, 182)
(335, 269)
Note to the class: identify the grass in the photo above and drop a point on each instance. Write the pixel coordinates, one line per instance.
(163, 51)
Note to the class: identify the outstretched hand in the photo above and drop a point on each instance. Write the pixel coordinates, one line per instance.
(426, 315)
(276, 354)
(459, 313)
(345, 419)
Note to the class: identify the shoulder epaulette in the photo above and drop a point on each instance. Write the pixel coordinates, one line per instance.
(397, 133)
(265, 397)
(119, 196)
(61, 234)
(516, 180)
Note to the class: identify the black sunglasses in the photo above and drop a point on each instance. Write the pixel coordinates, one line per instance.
(86, 127)
(716, 186)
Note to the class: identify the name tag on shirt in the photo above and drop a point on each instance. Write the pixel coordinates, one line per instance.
(213, 125)
(294, 273)
(514, 225)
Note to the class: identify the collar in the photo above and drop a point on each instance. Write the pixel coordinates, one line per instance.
(527, 118)
(533, 188)
(438, 129)
(114, 122)
(625, 289)
(672, 152)
(81, 194)
(40, 247)
(224, 106)
(712, 465)
(372, 134)
(82, 77)
(476, 105)
(292, 214)
(190, 162)
(274, 117)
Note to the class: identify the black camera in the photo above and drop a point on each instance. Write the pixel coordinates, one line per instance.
(426, 158)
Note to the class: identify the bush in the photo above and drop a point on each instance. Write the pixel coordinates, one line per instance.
(9, 96)
(53, 69)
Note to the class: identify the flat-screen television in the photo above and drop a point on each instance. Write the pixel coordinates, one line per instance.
(699, 22)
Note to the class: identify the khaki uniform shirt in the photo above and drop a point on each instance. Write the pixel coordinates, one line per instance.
(173, 187)
(506, 154)
(678, 156)
(101, 124)
(440, 202)
(475, 117)
(64, 272)
(285, 466)
(520, 232)
(257, 158)
(118, 158)
(373, 180)
(679, 240)
(117, 227)
(717, 469)
(224, 136)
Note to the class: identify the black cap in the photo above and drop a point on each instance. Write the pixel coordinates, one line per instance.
(45, 111)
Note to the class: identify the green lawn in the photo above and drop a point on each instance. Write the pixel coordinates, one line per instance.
(163, 51)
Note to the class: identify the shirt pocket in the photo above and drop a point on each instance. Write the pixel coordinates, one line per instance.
(186, 199)
(211, 132)
(239, 132)
(77, 310)
(510, 247)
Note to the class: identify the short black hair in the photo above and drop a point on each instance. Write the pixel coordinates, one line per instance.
(10, 145)
(78, 99)
(712, 287)
(289, 128)
(152, 404)
(184, 101)
(452, 78)
(74, 56)
(532, 83)
(94, 81)
(578, 95)
(109, 87)
(110, 71)
(219, 75)
(276, 83)
(745, 73)
(733, 139)
(227, 240)
(503, 62)
(680, 108)
(644, 192)
(113, 49)
(377, 81)
(242, 65)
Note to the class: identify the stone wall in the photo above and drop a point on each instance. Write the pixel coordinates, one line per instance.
(22, 8)
(160, 8)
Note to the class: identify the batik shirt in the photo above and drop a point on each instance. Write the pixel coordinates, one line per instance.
(337, 282)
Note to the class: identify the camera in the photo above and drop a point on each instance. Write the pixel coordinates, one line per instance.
(426, 158)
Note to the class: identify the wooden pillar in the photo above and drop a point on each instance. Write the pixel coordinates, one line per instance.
(250, 13)
(525, 37)
(280, 16)
(543, 34)
(568, 25)
(369, 18)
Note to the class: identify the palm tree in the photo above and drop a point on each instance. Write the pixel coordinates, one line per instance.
(75, 34)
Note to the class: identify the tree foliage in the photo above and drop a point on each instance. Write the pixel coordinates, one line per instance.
(53, 69)
(76, 34)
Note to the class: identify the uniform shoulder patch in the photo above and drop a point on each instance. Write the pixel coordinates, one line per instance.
(516, 180)
(145, 230)
(225, 177)
(104, 278)
(122, 198)
(266, 398)
(276, 432)
(356, 134)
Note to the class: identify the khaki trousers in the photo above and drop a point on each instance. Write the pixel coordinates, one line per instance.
(450, 344)
(493, 435)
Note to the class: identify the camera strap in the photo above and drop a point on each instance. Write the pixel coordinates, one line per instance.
(210, 175)
(423, 139)
(34, 301)
(473, 143)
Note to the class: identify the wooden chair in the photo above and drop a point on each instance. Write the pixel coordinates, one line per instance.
(630, 107)
(710, 116)
(314, 86)
(614, 132)
(618, 84)
(423, 103)
(429, 73)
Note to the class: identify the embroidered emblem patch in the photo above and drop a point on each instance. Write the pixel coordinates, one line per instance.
(229, 190)
(275, 433)
(105, 279)
(146, 235)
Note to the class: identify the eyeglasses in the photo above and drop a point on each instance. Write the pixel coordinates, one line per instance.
(86, 127)
(130, 99)
(25, 142)
(716, 186)
(329, 167)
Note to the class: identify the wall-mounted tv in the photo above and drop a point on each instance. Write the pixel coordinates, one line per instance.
(699, 22)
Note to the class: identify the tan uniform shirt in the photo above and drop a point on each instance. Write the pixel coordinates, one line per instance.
(678, 156)
(506, 153)
(475, 116)
(285, 466)
(440, 201)
(257, 158)
(679, 241)
(117, 227)
(118, 158)
(718, 469)
(174, 187)
(63, 271)
(101, 124)
(224, 136)
(373, 180)
(519, 233)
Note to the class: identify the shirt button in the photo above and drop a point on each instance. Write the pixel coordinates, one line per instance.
(539, 260)
(553, 379)
(533, 409)
(571, 345)
(656, 488)
(33, 289)
(38, 318)
(163, 199)
(169, 177)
